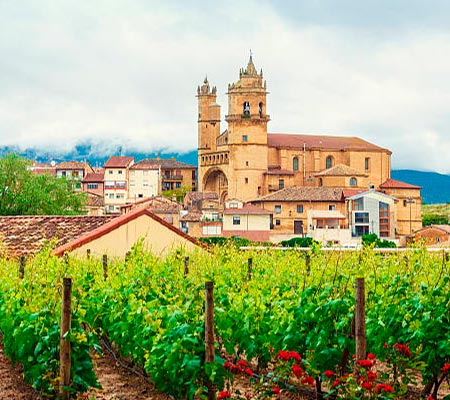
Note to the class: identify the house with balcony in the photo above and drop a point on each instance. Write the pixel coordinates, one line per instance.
(116, 180)
(174, 174)
(93, 182)
(74, 171)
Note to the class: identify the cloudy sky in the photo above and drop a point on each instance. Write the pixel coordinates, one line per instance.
(126, 72)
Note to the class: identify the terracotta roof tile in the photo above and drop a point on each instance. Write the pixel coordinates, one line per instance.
(167, 163)
(71, 165)
(28, 234)
(247, 209)
(192, 216)
(118, 162)
(298, 193)
(95, 200)
(94, 177)
(393, 184)
(275, 170)
(145, 166)
(282, 140)
(197, 196)
(340, 170)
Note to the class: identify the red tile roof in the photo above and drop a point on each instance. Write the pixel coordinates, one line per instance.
(94, 177)
(72, 165)
(351, 192)
(145, 166)
(28, 234)
(118, 162)
(116, 223)
(276, 170)
(282, 140)
(170, 163)
(95, 200)
(247, 209)
(393, 184)
(298, 193)
(192, 216)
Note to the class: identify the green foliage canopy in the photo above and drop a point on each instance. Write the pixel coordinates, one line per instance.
(24, 193)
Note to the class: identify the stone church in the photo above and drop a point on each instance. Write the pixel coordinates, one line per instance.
(248, 163)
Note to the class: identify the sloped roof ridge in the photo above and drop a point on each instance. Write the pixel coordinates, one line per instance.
(302, 193)
(116, 223)
(340, 170)
(392, 183)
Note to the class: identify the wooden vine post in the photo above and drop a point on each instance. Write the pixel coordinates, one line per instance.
(105, 266)
(22, 262)
(249, 269)
(209, 332)
(308, 264)
(64, 357)
(186, 266)
(360, 321)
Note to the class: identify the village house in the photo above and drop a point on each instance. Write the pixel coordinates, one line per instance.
(116, 182)
(73, 170)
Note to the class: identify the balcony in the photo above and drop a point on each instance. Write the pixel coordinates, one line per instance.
(172, 178)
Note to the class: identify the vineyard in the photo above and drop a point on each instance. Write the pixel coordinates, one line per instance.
(283, 319)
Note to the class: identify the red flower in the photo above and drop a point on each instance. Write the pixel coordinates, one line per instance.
(297, 371)
(228, 365)
(336, 383)
(371, 376)
(367, 385)
(249, 372)
(371, 356)
(364, 363)
(329, 374)
(242, 363)
(386, 345)
(382, 387)
(445, 369)
(284, 355)
(224, 395)
(308, 380)
(271, 349)
(276, 390)
(295, 355)
(430, 397)
(247, 396)
(402, 349)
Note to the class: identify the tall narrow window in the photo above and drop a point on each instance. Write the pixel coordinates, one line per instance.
(367, 163)
(295, 164)
(246, 110)
(281, 184)
(329, 162)
(353, 182)
(260, 109)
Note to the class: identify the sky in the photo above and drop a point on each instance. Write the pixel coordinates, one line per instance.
(125, 73)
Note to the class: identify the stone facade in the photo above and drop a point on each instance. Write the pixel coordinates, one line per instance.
(247, 162)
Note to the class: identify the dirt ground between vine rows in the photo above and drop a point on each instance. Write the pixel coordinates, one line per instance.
(117, 381)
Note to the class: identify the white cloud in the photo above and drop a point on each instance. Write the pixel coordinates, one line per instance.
(127, 72)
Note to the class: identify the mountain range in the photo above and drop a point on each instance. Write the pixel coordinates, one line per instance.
(435, 186)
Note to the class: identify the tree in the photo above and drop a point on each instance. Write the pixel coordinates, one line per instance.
(24, 193)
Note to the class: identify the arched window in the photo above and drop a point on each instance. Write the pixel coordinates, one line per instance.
(261, 109)
(295, 164)
(353, 182)
(329, 162)
(246, 106)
